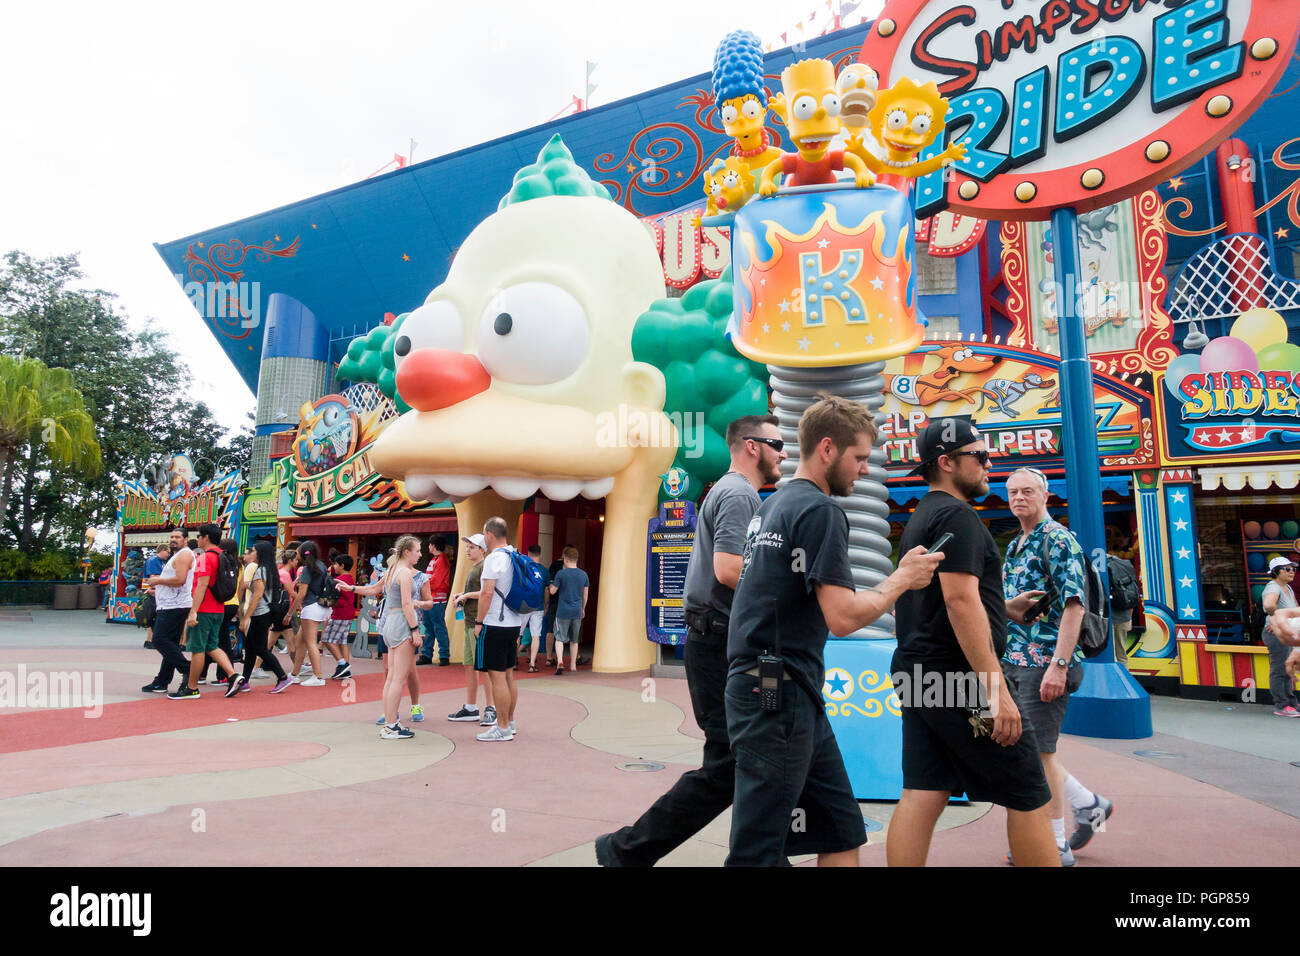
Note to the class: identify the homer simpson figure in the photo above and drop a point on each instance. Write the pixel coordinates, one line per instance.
(905, 120)
(812, 105)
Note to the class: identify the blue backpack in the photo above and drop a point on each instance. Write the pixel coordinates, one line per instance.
(525, 594)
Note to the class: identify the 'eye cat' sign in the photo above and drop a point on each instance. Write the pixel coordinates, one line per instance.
(1079, 103)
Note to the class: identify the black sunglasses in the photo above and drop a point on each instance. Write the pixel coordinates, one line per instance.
(776, 444)
(981, 456)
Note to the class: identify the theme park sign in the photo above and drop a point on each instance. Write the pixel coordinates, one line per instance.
(1238, 415)
(1012, 395)
(1079, 102)
(330, 465)
(691, 253)
(144, 512)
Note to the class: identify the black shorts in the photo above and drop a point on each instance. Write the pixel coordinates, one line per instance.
(941, 752)
(497, 649)
(792, 793)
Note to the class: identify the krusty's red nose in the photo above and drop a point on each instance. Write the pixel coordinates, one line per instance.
(430, 379)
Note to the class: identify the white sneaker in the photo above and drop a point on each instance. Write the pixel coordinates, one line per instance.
(260, 674)
(494, 734)
(512, 729)
(312, 681)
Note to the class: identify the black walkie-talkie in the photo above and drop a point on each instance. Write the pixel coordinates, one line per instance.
(771, 674)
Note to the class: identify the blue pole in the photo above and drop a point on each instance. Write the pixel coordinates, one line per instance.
(1110, 703)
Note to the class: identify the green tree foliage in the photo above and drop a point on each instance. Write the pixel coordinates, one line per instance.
(370, 359)
(40, 405)
(135, 389)
(686, 339)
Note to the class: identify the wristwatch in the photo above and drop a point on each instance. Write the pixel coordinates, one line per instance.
(1060, 662)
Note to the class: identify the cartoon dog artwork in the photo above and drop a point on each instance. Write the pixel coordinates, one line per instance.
(932, 387)
(1005, 394)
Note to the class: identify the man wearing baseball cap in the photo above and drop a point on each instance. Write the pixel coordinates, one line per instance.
(475, 551)
(1278, 595)
(955, 625)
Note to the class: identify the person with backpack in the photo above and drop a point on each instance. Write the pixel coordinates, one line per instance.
(1043, 658)
(317, 593)
(508, 591)
(265, 594)
(226, 640)
(214, 583)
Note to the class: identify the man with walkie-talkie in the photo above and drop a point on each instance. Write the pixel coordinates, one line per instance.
(795, 584)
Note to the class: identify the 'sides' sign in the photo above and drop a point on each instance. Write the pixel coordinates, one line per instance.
(1079, 103)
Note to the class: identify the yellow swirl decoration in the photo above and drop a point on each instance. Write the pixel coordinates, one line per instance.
(1014, 272)
(873, 683)
(832, 709)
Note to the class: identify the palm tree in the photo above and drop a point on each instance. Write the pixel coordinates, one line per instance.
(43, 405)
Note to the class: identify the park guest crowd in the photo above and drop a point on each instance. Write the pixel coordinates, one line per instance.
(766, 583)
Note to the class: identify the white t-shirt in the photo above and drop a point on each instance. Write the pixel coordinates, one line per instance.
(497, 567)
(167, 597)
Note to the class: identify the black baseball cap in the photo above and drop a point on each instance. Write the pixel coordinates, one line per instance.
(957, 429)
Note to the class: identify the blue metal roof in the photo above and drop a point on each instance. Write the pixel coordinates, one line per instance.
(382, 244)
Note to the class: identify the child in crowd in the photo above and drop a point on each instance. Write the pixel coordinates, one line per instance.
(366, 607)
(338, 627)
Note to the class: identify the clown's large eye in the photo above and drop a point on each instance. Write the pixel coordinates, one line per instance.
(434, 325)
(921, 125)
(533, 333)
(831, 104)
(804, 108)
(897, 119)
(751, 109)
(729, 115)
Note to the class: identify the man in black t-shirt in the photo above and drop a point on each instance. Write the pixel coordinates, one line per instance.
(792, 792)
(700, 795)
(951, 635)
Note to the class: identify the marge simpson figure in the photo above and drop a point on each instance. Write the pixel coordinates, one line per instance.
(812, 104)
(905, 120)
(741, 99)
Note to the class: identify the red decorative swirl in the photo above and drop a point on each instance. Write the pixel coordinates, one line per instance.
(1015, 277)
(220, 262)
(1291, 194)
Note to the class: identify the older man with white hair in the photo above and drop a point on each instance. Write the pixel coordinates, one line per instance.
(1044, 663)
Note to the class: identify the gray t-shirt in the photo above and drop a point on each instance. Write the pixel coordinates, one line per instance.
(731, 504)
(264, 602)
(1285, 598)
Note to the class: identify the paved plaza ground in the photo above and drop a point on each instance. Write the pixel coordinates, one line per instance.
(302, 778)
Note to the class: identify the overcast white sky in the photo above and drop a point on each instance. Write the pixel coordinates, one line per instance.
(132, 123)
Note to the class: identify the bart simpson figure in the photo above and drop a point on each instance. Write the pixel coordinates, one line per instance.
(905, 120)
(728, 186)
(741, 99)
(812, 104)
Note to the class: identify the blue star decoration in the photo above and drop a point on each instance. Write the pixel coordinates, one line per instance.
(836, 684)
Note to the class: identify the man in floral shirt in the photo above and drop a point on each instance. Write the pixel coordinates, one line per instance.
(1043, 662)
